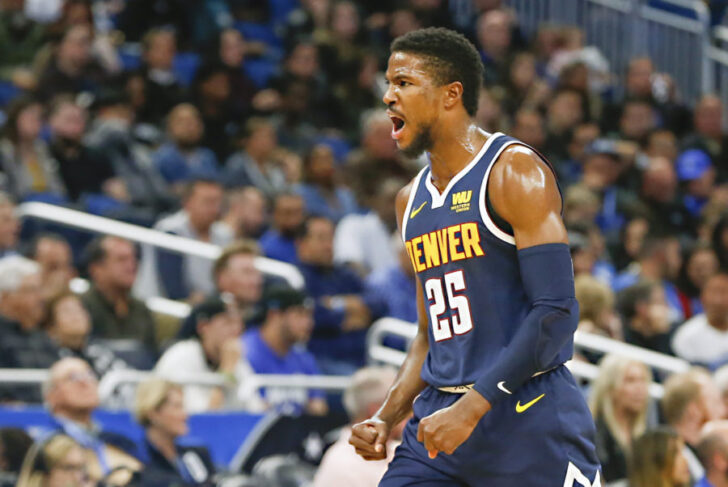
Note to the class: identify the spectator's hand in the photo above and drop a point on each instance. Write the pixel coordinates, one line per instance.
(358, 316)
(230, 354)
(24, 79)
(267, 100)
(369, 438)
(116, 188)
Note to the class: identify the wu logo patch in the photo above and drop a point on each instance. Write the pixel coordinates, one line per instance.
(461, 201)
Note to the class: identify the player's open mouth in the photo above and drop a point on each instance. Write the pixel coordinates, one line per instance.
(397, 126)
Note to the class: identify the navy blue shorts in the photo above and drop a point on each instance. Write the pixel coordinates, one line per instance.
(549, 444)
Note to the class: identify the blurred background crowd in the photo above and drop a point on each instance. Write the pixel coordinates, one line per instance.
(258, 126)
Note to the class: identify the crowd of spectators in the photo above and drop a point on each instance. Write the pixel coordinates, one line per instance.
(258, 126)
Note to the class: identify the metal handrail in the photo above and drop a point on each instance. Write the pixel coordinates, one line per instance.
(115, 378)
(142, 235)
(378, 352)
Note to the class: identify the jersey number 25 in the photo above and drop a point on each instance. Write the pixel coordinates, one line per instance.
(443, 295)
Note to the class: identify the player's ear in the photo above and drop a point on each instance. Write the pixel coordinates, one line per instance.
(453, 93)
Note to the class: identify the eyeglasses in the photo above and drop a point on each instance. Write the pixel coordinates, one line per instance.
(71, 467)
(78, 377)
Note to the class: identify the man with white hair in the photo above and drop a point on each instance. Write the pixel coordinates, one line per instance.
(71, 395)
(341, 465)
(22, 343)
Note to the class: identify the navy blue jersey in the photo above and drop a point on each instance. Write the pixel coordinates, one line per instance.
(468, 269)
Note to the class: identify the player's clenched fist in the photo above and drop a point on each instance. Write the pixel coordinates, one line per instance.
(444, 431)
(369, 439)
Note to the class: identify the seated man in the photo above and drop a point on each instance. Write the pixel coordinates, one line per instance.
(53, 253)
(22, 343)
(71, 394)
(112, 268)
(342, 313)
(216, 347)
(279, 347)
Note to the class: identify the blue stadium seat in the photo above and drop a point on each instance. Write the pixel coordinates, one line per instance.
(8, 91)
(279, 10)
(185, 66)
(259, 32)
(260, 70)
(131, 59)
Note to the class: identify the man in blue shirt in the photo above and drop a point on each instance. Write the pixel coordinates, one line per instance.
(713, 454)
(279, 241)
(343, 311)
(279, 347)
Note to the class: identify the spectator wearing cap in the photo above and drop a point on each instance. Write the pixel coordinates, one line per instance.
(216, 347)
(659, 192)
(704, 337)
(177, 276)
(697, 177)
(602, 167)
(278, 346)
(182, 158)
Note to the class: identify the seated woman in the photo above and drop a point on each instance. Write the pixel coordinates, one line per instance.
(160, 410)
(55, 462)
(657, 460)
(619, 404)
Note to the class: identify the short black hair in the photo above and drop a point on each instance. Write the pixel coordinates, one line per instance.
(631, 297)
(450, 56)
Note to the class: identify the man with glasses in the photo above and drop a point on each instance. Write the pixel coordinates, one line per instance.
(71, 394)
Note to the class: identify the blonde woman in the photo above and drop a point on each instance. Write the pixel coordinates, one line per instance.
(596, 307)
(618, 402)
(56, 462)
(160, 410)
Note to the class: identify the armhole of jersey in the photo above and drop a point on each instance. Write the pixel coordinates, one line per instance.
(485, 215)
(413, 193)
(487, 220)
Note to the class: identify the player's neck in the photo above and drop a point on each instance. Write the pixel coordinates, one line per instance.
(454, 147)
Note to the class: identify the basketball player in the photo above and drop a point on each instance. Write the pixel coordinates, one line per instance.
(493, 403)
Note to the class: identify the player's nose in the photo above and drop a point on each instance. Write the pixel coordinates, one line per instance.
(388, 97)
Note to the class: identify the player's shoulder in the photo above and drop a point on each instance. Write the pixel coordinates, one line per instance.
(519, 161)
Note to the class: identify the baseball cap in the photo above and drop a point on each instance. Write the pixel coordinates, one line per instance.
(281, 297)
(692, 164)
(603, 146)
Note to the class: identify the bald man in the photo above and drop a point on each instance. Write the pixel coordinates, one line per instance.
(71, 395)
(713, 454)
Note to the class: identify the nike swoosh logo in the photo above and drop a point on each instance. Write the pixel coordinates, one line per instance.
(502, 387)
(520, 409)
(414, 212)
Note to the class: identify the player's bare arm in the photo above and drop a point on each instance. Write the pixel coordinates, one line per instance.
(523, 191)
(369, 437)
